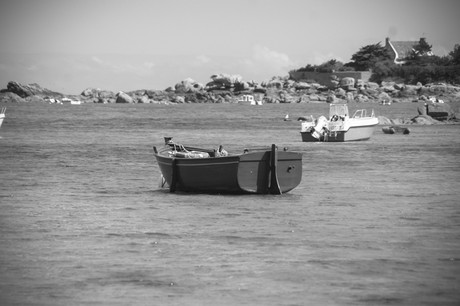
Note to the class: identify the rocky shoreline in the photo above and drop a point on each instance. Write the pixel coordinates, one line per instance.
(440, 100)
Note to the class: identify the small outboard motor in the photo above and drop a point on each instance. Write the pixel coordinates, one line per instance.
(317, 131)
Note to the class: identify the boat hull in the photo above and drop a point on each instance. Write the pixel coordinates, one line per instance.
(340, 127)
(254, 171)
(357, 132)
(238, 174)
(2, 115)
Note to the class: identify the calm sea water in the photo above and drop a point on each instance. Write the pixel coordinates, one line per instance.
(83, 221)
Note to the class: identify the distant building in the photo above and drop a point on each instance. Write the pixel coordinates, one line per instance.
(401, 50)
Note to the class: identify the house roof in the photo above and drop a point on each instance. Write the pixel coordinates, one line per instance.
(404, 48)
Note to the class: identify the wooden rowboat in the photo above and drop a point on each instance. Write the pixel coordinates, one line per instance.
(259, 171)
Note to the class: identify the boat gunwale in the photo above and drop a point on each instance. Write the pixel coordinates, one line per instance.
(189, 161)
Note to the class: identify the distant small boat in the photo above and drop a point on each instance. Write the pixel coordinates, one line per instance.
(258, 171)
(394, 129)
(2, 115)
(249, 99)
(72, 102)
(340, 127)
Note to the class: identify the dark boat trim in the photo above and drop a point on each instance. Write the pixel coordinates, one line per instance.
(274, 183)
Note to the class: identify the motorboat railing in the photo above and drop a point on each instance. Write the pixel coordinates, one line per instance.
(362, 113)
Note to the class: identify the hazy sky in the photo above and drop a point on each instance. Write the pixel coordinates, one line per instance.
(70, 45)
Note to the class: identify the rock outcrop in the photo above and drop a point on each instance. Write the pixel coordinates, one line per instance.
(7, 96)
(25, 91)
(225, 88)
(188, 85)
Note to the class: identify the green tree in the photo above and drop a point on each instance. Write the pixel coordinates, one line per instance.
(383, 70)
(455, 54)
(368, 56)
(422, 48)
(330, 66)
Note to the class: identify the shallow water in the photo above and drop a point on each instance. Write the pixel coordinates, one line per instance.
(83, 221)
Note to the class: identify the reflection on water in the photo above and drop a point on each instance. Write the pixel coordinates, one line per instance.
(82, 220)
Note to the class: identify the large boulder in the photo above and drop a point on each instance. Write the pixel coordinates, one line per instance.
(388, 87)
(347, 83)
(424, 120)
(370, 93)
(143, 99)
(123, 98)
(350, 97)
(179, 99)
(371, 85)
(331, 98)
(226, 80)
(384, 98)
(340, 93)
(316, 97)
(188, 85)
(384, 120)
(106, 94)
(304, 99)
(35, 99)
(103, 100)
(422, 110)
(439, 89)
(360, 84)
(302, 86)
(90, 92)
(285, 97)
(97, 93)
(361, 98)
(242, 86)
(6, 97)
(408, 91)
(275, 83)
